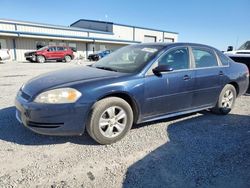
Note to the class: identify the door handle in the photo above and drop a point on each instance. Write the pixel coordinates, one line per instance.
(221, 73)
(186, 77)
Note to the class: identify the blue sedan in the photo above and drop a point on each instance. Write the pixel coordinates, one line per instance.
(99, 55)
(135, 84)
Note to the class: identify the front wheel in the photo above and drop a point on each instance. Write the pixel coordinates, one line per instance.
(226, 100)
(110, 120)
(40, 59)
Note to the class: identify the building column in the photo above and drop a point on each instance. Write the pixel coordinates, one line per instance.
(14, 48)
(133, 33)
(87, 46)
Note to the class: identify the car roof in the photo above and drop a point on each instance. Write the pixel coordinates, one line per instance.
(175, 44)
(56, 46)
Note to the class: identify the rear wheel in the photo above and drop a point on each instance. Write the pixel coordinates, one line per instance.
(67, 58)
(40, 59)
(226, 100)
(110, 120)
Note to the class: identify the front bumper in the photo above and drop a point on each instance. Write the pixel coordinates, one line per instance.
(52, 119)
(30, 57)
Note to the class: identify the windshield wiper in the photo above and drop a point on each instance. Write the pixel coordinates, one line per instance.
(107, 68)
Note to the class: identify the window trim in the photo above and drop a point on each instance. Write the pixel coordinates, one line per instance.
(219, 60)
(203, 49)
(149, 72)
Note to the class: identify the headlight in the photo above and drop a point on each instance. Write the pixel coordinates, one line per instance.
(58, 96)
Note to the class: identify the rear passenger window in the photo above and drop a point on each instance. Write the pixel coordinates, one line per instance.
(224, 59)
(204, 58)
(60, 48)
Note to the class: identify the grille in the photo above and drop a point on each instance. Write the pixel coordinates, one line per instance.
(43, 125)
(29, 54)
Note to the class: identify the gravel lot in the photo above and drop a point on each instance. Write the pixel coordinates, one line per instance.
(197, 150)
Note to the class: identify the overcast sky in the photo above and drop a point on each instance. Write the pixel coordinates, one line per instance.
(217, 23)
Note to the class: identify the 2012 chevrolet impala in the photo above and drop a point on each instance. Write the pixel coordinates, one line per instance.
(135, 84)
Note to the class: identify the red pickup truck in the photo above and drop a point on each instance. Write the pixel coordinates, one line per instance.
(58, 53)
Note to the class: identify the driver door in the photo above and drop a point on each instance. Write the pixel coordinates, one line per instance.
(51, 52)
(169, 92)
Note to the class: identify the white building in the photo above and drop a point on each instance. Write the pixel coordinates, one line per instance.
(87, 36)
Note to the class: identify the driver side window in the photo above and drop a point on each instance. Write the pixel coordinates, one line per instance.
(177, 59)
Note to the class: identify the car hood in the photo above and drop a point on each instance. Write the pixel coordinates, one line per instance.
(31, 52)
(66, 76)
(238, 53)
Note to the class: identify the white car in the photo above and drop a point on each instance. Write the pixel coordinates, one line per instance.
(4, 55)
(241, 55)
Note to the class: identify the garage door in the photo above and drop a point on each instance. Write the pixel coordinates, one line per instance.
(3, 44)
(168, 40)
(148, 38)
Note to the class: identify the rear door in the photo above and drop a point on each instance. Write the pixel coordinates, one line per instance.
(60, 52)
(208, 77)
(171, 91)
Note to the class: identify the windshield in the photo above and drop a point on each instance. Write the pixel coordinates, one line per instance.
(43, 48)
(129, 59)
(245, 46)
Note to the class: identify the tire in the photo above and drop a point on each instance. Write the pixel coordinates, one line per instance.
(110, 120)
(67, 58)
(40, 59)
(226, 100)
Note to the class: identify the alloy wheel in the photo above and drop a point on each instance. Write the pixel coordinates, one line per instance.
(227, 99)
(112, 122)
(40, 59)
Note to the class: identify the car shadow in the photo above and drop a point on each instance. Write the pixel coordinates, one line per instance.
(165, 120)
(12, 131)
(203, 151)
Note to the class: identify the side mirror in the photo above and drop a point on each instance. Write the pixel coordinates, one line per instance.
(162, 68)
(230, 48)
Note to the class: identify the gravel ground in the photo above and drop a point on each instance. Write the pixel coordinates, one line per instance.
(197, 150)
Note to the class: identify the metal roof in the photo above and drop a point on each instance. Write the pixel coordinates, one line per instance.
(97, 21)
